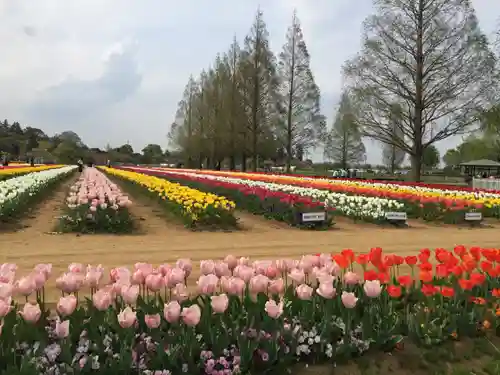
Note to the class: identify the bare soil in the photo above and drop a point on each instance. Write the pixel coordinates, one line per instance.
(163, 240)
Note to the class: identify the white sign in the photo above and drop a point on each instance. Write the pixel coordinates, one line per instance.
(473, 216)
(396, 216)
(313, 216)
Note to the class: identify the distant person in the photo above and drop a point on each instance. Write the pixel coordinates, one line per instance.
(80, 165)
(32, 162)
(108, 163)
(485, 175)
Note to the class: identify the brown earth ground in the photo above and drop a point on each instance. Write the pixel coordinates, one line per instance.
(163, 241)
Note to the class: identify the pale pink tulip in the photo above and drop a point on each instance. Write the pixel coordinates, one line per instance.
(102, 300)
(31, 313)
(258, 284)
(172, 311)
(5, 306)
(326, 290)
(207, 284)
(154, 282)
(298, 276)
(130, 293)
(25, 286)
(277, 286)
(219, 303)
(62, 329)
(351, 278)
(372, 288)
(180, 293)
(191, 315)
(6, 290)
(138, 277)
(66, 305)
(231, 261)
(127, 317)
(233, 286)
(46, 269)
(76, 267)
(349, 300)
(174, 277)
(273, 309)
(186, 265)
(38, 279)
(244, 272)
(207, 267)
(304, 292)
(222, 269)
(152, 321)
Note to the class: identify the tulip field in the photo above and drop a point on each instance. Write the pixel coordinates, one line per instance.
(157, 271)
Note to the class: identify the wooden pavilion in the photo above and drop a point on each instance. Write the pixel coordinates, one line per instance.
(475, 167)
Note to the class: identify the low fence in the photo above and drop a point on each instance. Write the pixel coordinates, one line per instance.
(486, 183)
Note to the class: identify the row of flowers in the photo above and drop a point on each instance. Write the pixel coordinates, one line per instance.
(197, 209)
(244, 316)
(19, 193)
(259, 200)
(420, 202)
(354, 206)
(96, 205)
(19, 170)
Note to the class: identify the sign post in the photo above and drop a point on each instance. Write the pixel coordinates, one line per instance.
(397, 218)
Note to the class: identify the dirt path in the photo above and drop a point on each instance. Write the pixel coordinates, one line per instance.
(163, 240)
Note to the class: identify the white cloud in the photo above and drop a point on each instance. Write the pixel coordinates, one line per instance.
(114, 70)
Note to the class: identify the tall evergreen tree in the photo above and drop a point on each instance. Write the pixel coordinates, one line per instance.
(258, 67)
(344, 144)
(431, 58)
(301, 125)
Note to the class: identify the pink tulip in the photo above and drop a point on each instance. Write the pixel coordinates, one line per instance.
(258, 284)
(273, 309)
(207, 267)
(76, 267)
(222, 269)
(138, 277)
(351, 278)
(66, 305)
(5, 306)
(219, 303)
(172, 312)
(31, 313)
(244, 272)
(233, 286)
(298, 276)
(130, 293)
(154, 282)
(127, 317)
(46, 269)
(118, 273)
(6, 290)
(207, 284)
(326, 290)
(304, 292)
(174, 277)
(186, 265)
(93, 277)
(152, 321)
(277, 286)
(180, 293)
(349, 300)
(231, 261)
(25, 286)
(272, 271)
(372, 288)
(38, 279)
(164, 269)
(70, 282)
(191, 315)
(102, 300)
(62, 329)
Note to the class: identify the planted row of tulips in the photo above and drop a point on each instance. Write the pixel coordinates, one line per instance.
(271, 203)
(428, 203)
(197, 209)
(96, 205)
(245, 316)
(18, 194)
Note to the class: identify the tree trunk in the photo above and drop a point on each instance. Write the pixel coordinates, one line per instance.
(416, 166)
(244, 162)
(232, 162)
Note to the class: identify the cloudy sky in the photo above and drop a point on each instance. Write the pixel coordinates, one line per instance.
(114, 70)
